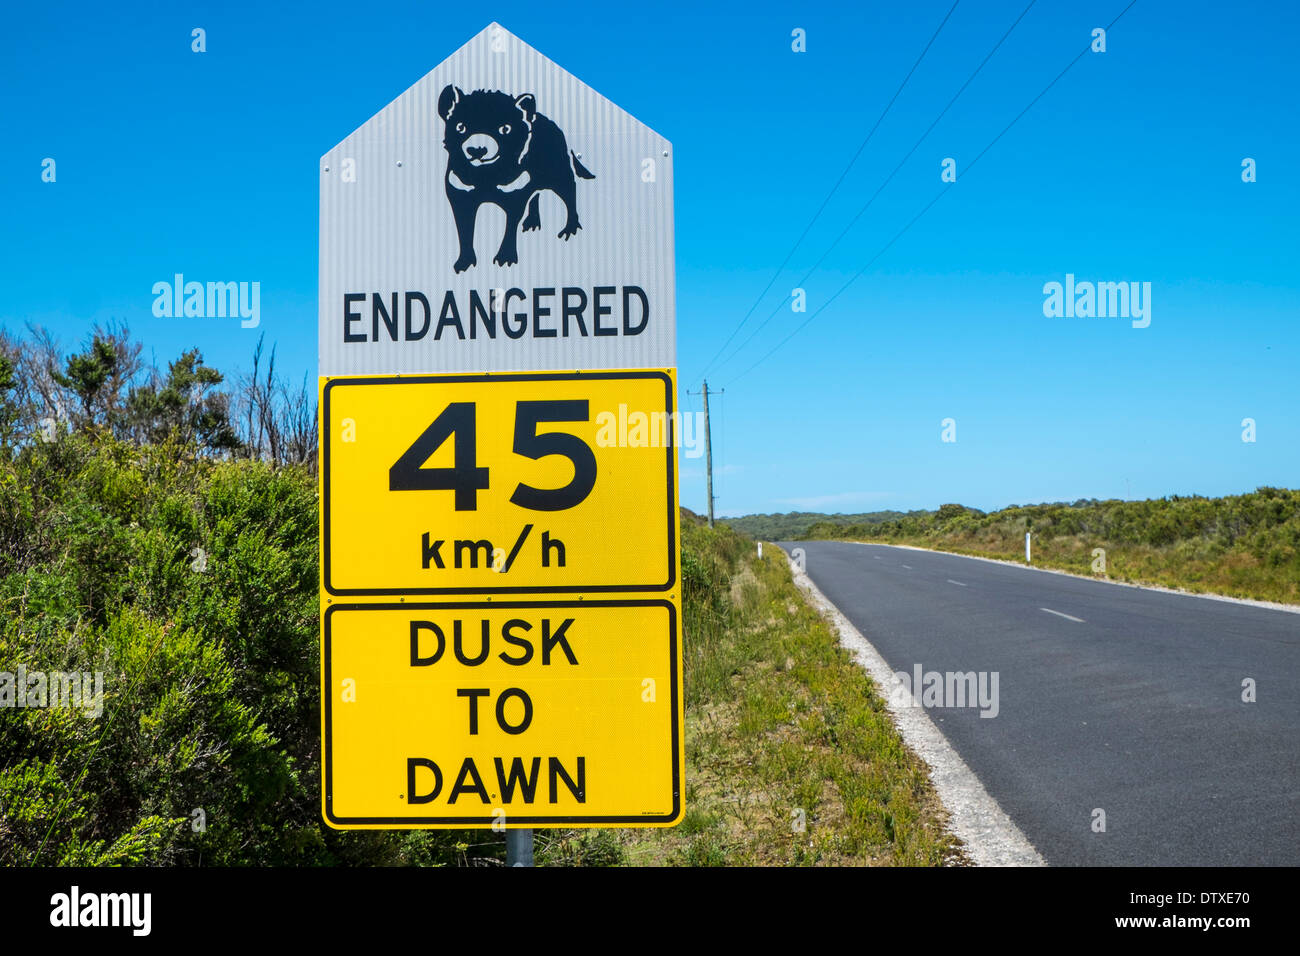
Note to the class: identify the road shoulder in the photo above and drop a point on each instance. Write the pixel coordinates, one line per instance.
(990, 836)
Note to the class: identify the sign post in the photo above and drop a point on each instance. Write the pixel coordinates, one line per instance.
(519, 848)
(500, 590)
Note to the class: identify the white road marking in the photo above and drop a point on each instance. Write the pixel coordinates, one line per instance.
(958, 583)
(908, 566)
(1068, 617)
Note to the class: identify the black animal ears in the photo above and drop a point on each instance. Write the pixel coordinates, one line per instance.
(527, 105)
(448, 99)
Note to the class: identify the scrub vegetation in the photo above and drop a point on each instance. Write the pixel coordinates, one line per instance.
(163, 532)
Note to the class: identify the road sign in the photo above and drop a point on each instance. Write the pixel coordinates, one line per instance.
(500, 597)
(499, 215)
(494, 484)
(526, 714)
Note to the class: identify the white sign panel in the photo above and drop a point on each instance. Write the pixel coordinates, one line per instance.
(499, 215)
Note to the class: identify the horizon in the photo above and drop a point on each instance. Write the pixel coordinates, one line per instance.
(1016, 504)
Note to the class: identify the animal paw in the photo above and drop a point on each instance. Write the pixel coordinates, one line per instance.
(504, 258)
(465, 261)
(531, 222)
(569, 230)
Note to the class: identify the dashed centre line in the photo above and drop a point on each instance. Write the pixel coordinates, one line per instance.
(1068, 617)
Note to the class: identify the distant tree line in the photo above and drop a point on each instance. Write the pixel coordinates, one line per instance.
(1266, 520)
(796, 524)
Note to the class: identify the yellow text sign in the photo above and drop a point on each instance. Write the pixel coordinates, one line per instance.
(511, 483)
(502, 714)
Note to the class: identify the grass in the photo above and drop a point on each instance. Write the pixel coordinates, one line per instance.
(791, 756)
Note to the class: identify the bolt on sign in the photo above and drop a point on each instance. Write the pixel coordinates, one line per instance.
(500, 590)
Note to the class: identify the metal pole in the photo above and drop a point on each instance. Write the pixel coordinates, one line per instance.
(708, 453)
(519, 848)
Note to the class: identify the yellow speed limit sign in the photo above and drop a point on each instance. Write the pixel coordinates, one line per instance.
(521, 483)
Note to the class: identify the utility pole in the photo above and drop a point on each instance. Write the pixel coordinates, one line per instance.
(708, 446)
(708, 452)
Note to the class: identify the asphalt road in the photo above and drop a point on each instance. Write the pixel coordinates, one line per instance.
(1109, 697)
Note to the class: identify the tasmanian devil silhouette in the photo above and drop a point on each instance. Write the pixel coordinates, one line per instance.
(501, 150)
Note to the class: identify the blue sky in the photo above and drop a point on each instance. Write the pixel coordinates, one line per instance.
(1129, 168)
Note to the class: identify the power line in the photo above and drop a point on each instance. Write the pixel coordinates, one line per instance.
(838, 182)
(857, 275)
(888, 179)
